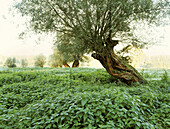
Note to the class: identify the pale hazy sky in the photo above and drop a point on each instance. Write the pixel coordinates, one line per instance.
(10, 45)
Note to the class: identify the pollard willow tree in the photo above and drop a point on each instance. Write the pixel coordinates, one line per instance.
(71, 52)
(94, 24)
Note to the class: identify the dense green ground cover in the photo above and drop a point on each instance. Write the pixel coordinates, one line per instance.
(81, 98)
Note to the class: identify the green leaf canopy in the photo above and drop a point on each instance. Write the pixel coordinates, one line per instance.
(90, 23)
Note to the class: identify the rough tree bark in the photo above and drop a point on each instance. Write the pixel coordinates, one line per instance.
(75, 63)
(65, 64)
(116, 67)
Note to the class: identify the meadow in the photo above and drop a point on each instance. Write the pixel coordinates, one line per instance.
(82, 98)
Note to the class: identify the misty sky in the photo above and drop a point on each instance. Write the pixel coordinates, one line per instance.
(10, 27)
(10, 45)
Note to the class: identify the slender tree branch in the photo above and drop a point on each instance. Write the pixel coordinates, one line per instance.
(56, 12)
(68, 17)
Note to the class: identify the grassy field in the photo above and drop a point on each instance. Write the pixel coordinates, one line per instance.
(82, 98)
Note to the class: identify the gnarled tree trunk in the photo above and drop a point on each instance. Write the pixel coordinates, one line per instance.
(65, 64)
(75, 63)
(116, 67)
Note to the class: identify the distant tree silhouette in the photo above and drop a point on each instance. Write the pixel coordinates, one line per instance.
(40, 60)
(10, 62)
(24, 63)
